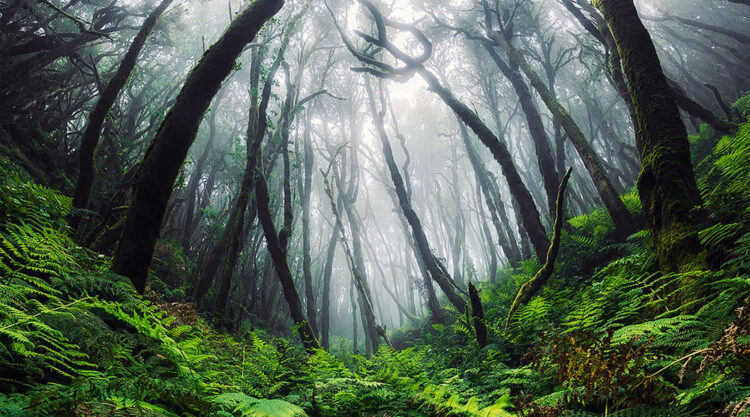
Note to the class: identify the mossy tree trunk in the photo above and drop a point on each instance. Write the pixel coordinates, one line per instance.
(666, 184)
(90, 139)
(167, 152)
(532, 286)
(477, 314)
(621, 217)
(278, 255)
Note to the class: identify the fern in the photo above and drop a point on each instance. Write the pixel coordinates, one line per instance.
(246, 406)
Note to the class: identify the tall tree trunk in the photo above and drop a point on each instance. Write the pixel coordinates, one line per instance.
(325, 301)
(667, 186)
(477, 313)
(528, 211)
(433, 265)
(90, 139)
(305, 202)
(192, 188)
(167, 152)
(623, 220)
(511, 250)
(492, 267)
(367, 312)
(278, 255)
(550, 179)
(532, 286)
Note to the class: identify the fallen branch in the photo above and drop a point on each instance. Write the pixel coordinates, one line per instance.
(530, 288)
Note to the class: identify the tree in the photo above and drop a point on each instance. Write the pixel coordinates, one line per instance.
(411, 65)
(666, 184)
(163, 159)
(437, 270)
(90, 139)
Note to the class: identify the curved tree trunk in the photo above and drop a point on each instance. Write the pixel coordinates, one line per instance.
(539, 137)
(90, 139)
(532, 286)
(165, 156)
(527, 208)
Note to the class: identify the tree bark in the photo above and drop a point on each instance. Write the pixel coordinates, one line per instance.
(167, 152)
(90, 139)
(477, 313)
(623, 220)
(666, 184)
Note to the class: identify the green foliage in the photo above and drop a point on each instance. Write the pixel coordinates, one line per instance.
(608, 335)
(245, 406)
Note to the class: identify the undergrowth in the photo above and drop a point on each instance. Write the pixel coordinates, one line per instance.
(609, 334)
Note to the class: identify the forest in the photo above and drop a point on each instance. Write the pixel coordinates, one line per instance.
(391, 208)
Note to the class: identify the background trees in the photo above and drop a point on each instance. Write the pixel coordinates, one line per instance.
(444, 131)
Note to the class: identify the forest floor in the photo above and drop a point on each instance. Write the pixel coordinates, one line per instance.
(608, 336)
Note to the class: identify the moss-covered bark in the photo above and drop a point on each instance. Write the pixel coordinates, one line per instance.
(477, 314)
(165, 156)
(530, 288)
(90, 139)
(666, 184)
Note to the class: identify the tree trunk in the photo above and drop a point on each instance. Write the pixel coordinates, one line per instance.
(550, 179)
(90, 139)
(167, 152)
(528, 210)
(372, 338)
(477, 313)
(623, 220)
(667, 186)
(278, 255)
(695, 109)
(511, 250)
(433, 265)
(305, 202)
(530, 288)
(325, 302)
